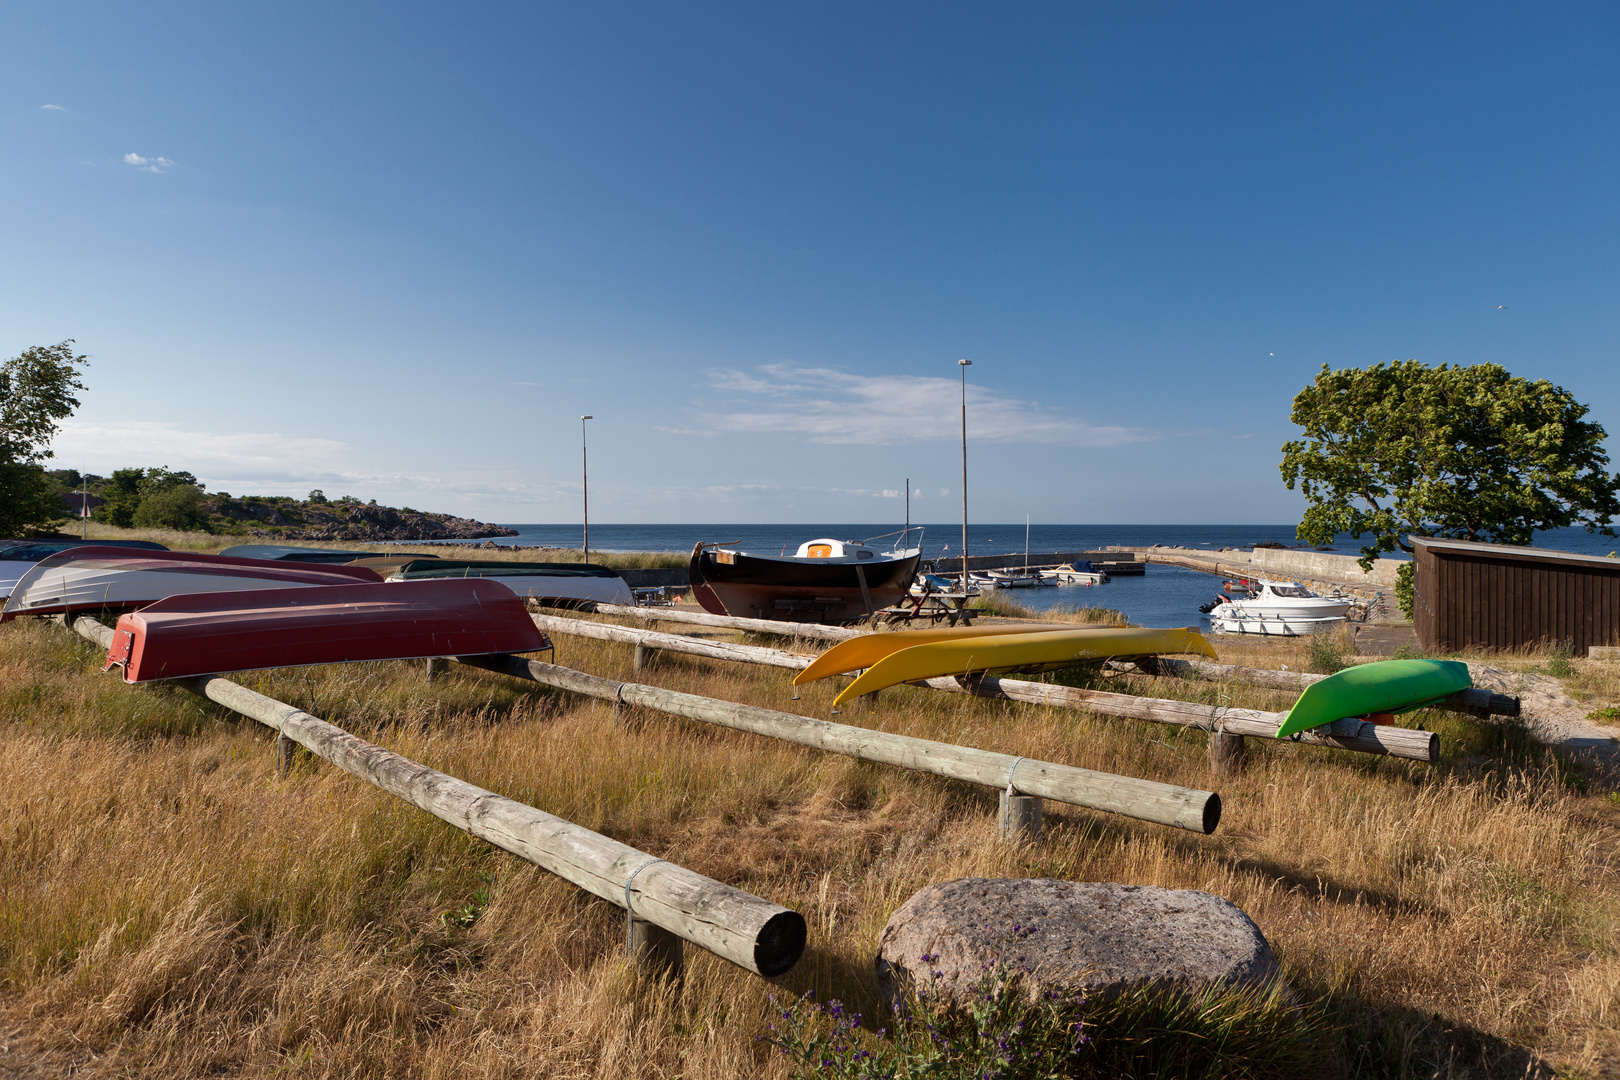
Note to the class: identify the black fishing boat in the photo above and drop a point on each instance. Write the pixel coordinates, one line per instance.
(825, 581)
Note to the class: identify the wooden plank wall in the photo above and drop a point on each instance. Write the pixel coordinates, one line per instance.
(1468, 600)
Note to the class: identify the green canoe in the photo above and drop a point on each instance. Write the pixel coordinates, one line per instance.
(1385, 686)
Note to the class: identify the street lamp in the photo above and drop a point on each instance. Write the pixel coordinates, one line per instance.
(585, 483)
(964, 365)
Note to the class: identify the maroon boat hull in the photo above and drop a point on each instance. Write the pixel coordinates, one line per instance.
(207, 633)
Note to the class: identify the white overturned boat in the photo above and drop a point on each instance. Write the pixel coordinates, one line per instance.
(91, 578)
(1283, 608)
(17, 557)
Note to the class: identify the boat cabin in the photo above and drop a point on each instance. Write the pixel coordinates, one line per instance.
(1286, 588)
(835, 550)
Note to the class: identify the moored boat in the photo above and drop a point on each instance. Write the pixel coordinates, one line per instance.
(292, 553)
(90, 578)
(184, 636)
(1278, 607)
(552, 584)
(825, 581)
(1079, 572)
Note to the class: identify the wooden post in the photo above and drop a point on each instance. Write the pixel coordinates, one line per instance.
(643, 655)
(654, 950)
(1020, 818)
(436, 666)
(1225, 752)
(1146, 800)
(753, 933)
(284, 748)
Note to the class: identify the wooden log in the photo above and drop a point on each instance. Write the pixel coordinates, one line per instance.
(1146, 800)
(702, 618)
(1475, 700)
(751, 932)
(719, 650)
(1344, 735)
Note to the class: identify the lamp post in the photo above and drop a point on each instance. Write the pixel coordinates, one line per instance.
(964, 365)
(585, 483)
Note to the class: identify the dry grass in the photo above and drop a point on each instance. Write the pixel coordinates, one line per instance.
(172, 908)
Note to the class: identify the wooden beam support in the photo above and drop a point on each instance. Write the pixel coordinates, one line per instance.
(753, 933)
(1146, 800)
(817, 631)
(1343, 735)
(1476, 700)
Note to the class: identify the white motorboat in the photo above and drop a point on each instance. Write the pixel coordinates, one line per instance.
(1076, 573)
(1279, 607)
(1013, 579)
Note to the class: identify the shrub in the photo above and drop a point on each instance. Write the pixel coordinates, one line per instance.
(1403, 587)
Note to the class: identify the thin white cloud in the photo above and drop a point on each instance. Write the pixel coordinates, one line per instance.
(51, 108)
(829, 406)
(146, 164)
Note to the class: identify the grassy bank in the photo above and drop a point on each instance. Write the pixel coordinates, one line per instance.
(211, 543)
(172, 908)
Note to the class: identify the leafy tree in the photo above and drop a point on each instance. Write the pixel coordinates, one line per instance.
(36, 391)
(178, 506)
(122, 492)
(1469, 453)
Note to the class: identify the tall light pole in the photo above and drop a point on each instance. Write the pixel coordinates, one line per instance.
(964, 365)
(585, 483)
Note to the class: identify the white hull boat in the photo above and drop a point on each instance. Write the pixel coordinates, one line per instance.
(1277, 626)
(90, 578)
(1070, 574)
(552, 584)
(1284, 608)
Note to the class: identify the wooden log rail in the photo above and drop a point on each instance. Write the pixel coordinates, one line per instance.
(1146, 800)
(1342, 735)
(764, 626)
(753, 933)
(1475, 700)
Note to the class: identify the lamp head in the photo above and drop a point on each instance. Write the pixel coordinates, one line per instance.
(964, 363)
(587, 418)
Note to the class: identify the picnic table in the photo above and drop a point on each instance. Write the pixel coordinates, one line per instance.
(948, 607)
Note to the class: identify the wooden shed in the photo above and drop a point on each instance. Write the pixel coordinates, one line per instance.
(1496, 596)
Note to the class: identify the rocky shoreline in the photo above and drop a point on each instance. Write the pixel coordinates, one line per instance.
(352, 520)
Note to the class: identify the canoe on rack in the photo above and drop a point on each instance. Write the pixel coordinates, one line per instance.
(868, 649)
(90, 578)
(1383, 686)
(186, 636)
(1021, 652)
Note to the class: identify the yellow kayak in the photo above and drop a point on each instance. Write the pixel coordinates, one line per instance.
(868, 649)
(1021, 652)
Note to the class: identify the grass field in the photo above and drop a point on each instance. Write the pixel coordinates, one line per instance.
(171, 907)
(210, 543)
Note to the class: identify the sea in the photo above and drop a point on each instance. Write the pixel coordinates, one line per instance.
(1163, 596)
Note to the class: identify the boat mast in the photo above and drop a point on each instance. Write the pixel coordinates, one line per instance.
(964, 365)
(1026, 543)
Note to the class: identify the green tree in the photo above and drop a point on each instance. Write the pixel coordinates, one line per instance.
(36, 391)
(178, 506)
(1468, 453)
(122, 492)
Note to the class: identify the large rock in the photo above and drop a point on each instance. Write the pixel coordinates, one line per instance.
(1101, 936)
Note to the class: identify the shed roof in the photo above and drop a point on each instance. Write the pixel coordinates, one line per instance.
(1512, 551)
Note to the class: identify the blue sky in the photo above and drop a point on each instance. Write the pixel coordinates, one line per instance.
(397, 251)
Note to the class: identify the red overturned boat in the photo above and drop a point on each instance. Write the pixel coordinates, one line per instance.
(93, 578)
(208, 633)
